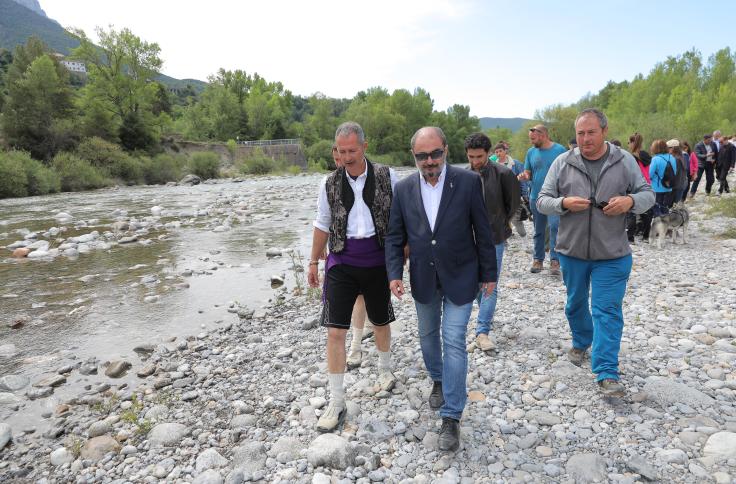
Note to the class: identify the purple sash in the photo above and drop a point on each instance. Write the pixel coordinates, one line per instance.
(358, 253)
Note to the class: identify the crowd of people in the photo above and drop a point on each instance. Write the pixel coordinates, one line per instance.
(451, 225)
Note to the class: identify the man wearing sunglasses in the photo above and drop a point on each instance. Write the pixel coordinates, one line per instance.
(592, 188)
(536, 164)
(440, 213)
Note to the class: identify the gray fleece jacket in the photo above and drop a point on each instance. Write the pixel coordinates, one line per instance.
(590, 234)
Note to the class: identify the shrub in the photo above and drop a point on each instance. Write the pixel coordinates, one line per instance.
(41, 180)
(320, 153)
(99, 152)
(162, 168)
(392, 159)
(259, 163)
(259, 166)
(205, 165)
(13, 181)
(294, 170)
(317, 166)
(111, 158)
(77, 174)
(232, 146)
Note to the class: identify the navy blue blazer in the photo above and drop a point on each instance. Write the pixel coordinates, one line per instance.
(458, 255)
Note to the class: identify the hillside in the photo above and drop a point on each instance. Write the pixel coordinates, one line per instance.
(514, 124)
(17, 23)
(32, 5)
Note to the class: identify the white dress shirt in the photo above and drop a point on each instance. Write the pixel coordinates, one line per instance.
(360, 222)
(431, 196)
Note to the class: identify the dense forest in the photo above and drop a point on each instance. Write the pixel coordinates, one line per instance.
(62, 131)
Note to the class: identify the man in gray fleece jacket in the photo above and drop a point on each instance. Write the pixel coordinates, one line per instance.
(591, 188)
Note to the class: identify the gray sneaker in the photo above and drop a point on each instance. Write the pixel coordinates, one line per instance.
(332, 418)
(354, 359)
(386, 380)
(576, 356)
(611, 388)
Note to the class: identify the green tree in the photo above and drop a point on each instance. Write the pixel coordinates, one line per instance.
(121, 71)
(457, 124)
(37, 104)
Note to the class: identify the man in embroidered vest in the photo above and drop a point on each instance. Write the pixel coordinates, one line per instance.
(440, 213)
(352, 216)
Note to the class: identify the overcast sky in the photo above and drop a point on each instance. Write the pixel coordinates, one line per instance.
(502, 58)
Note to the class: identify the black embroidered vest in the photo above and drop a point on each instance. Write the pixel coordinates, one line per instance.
(377, 195)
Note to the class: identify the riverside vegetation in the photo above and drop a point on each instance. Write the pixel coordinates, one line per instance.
(54, 115)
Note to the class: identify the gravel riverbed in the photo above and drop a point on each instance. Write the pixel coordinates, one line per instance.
(239, 402)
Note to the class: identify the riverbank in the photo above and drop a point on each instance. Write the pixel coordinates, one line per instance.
(239, 401)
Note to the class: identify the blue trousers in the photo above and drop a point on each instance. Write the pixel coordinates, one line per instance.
(442, 329)
(599, 285)
(540, 225)
(487, 304)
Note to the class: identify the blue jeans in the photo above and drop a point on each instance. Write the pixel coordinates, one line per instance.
(540, 225)
(487, 304)
(599, 285)
(445, 355)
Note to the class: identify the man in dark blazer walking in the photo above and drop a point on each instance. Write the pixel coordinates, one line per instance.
(440, 213)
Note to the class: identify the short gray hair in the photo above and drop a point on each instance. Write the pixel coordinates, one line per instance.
(437, 132)
(602, 119)
(350, 127)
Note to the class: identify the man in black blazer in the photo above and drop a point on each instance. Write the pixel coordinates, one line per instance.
(440, 213)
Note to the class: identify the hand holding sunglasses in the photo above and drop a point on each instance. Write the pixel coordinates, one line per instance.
(618, 205)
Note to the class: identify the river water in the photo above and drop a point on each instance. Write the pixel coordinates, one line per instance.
(105, 314)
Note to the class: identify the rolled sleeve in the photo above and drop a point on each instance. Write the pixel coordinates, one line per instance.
(324, 216)
(549, 201)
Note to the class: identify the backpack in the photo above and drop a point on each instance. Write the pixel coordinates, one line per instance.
(668, 179)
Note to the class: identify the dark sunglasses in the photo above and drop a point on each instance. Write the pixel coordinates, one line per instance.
(534, 130)
(435, 155)
(594, 203)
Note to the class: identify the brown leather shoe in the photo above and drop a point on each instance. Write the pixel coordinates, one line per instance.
(536, 267)
(576, 356)
(554, 267)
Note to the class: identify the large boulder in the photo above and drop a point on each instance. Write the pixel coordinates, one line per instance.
(210, 459)
(96, 448)
(250, 457)
(190, 180)
(667, 392)
(587, 468)
(721, 444)
(13, 383)
(331, 451)
(6, 435)
(167, 434)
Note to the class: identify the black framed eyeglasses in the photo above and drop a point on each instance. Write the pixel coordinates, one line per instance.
(435, 155)
(534, 130)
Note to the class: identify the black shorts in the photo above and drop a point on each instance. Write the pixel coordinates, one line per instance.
(345, 283)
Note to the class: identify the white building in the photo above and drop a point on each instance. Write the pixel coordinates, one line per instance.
(74, 66)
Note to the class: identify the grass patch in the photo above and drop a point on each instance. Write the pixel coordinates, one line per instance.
(729, 233)
(723, 206)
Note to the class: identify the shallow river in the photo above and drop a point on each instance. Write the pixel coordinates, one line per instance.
(105, 314)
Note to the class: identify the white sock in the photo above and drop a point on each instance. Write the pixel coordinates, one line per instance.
(384, 360)
(337, 390)
(357, 338)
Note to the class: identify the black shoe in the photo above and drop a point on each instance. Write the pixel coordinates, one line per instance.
(436, 399)
(449, 439)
